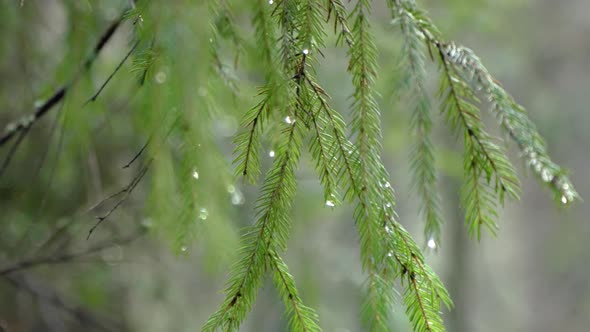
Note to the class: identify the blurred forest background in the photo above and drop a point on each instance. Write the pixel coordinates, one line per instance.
(135, 273)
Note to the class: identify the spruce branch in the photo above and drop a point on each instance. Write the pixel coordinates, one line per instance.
(423, 291)
(395, 248)
(270, 231)
(223, 27)
(301, 317)
(513, 119)
(336, 8)
(483, 158)
(248, 144)
(366, 127)
(343, 149)
(422, 162)
(265, 35)
(471, 73)
(323, 153)
(376, 203)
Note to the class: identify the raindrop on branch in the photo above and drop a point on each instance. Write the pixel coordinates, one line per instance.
(160, 77)
(203, 213)
(564, 199)
(237, 198)
(431, 244)
(546, 175)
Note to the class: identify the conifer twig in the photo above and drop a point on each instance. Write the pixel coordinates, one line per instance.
(112, 74)
(471, 72)
(126, 191)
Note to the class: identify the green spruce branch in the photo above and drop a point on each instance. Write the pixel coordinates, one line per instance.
(467, 69)
(422, 161)
(292, 96)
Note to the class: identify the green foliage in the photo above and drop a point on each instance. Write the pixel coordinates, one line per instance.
(422, 155)
(293, 113)
(489, 175)
(295, 105)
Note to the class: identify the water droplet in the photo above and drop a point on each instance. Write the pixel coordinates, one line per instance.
(271, 153)
(546, 175)
(387, 229)
(289, 120)
(389, 254)
(184, 248)
(305, 51)
(386, 185)
(330, 203)
(231, 189)
(564, 199)
(270, 2)
(388, 205)
(431, 244)
(203, 213)
(237, 198)
(196, 175)
(160, 77)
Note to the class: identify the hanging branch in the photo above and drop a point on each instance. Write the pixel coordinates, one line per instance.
(483, 159)
(465, 70)
(113, 73)
(126, 192)
(399, 253)
(367, 129)
(422, 161)
(26, 122)
(271, 230)
(303, 318)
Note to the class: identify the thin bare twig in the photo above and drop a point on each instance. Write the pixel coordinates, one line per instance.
(28, 121)
(110, 77)
(138, 154)
(68, 257)
(12, 150)
(125, 191)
